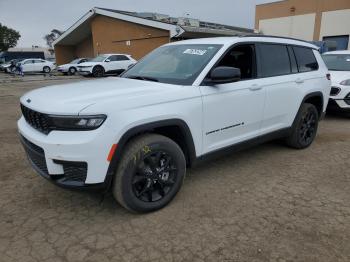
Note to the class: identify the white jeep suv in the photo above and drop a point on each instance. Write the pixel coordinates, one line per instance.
(106, 64)
(338, 63)
(182, 103)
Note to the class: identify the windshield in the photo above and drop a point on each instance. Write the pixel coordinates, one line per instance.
(337, 62)
(173, 64)
(75, 61)
(99, 58)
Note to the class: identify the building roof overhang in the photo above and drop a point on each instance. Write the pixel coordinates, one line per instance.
(81, 29)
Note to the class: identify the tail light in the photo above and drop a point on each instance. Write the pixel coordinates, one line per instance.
(328, 76)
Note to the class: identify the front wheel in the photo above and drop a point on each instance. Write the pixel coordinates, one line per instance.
(98, 71)
(72, 71)
(150, 173)
(305, 127)
(46, 69)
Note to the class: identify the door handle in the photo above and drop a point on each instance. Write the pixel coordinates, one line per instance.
(255, 87)
(299, 81)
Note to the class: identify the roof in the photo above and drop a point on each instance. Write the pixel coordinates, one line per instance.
(81, 29)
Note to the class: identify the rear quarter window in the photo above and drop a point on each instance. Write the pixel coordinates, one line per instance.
(306, 59)
(274, 60)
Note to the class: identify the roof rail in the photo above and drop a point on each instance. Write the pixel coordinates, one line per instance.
(274, 36)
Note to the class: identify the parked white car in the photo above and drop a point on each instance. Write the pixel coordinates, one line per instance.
(182, 103)
(338, 63)
(37, 65)
(106, 64)
(72, 67)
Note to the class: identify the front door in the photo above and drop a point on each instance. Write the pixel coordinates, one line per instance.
(28, 66)
(232, 112)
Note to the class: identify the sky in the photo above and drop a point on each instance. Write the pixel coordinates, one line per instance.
(35, 18)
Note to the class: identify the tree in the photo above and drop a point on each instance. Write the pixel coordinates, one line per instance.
(8, 37)
(52, 36)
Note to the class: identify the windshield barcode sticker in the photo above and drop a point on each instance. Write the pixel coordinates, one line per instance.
(195, 51)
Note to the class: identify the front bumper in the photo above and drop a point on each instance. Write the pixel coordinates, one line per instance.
(62, 70)
(339, 105)
(85, 71)
(71, 159)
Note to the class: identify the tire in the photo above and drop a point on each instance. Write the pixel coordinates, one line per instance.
(46, 69)
(304, 128)
(98, 71)
(72, 71)
(150, 173)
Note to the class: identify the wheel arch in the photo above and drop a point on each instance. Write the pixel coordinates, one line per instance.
(175, 129)
(316, 99)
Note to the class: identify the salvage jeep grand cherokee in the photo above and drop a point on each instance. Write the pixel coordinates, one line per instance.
(183, 102)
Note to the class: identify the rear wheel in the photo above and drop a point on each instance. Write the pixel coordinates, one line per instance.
(149, 174)
(98, 71)
(304, 128)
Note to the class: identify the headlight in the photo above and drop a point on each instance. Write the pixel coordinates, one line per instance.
(345, 82)
(71, 123)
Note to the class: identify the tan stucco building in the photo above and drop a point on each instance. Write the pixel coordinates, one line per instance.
(112, 31)
(309, 20)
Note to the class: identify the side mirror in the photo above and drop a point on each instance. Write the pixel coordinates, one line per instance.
(225, 74)
(107, 60)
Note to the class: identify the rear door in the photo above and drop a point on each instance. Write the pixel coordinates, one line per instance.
(38, 65)
(278, 75)
(124, 61)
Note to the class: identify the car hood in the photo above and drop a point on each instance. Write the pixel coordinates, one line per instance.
(66, 65)
(120, 92)
(88, 64)
(339, 76)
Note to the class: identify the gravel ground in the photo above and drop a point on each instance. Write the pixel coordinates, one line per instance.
(269, 203)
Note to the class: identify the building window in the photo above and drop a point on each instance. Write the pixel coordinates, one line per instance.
(341, 42)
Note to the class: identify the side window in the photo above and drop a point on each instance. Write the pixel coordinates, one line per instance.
(113, 58)
(274, 60)
(29, 62)
(293, 61)
(122, 58)
(38, 61)
(306, 59)
(242, 57)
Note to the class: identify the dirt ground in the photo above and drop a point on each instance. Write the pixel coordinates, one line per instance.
(269, 203)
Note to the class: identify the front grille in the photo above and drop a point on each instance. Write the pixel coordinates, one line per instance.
(37, 120)
(335, 91)
(35, 154)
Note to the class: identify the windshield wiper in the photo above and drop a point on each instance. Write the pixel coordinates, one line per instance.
(145, 78)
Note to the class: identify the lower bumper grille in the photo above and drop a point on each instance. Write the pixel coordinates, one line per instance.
(74, 172)
(35, 154)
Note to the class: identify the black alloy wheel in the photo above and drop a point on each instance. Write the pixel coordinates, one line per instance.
(98, 71)
(150, 173)
(155, 176)
(307, 131)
